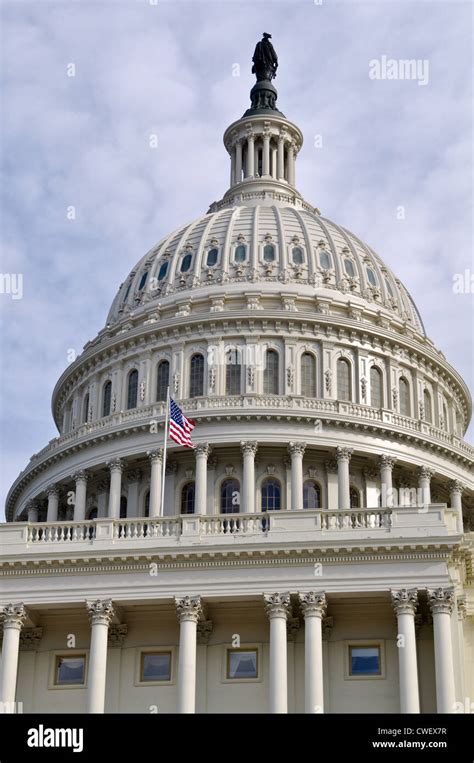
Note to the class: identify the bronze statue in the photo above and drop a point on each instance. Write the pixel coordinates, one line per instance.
(265, 60)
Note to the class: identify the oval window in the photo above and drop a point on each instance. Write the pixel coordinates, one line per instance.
(371, 277)
(186, 263)
(349, 265)
(212, 257)
(163, 271)
(298, 255)
(127, 291)
(240, 253)
(325, 260)
(269, 253)
(143, 280)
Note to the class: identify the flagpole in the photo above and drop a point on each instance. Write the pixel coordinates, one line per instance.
(164, 451)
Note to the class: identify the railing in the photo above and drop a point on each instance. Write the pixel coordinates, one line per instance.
(134, 529)
(60, 532)
(369, 519)
(225, 524)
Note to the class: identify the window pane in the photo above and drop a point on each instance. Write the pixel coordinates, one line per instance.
(107, 398)
(186, 263)
(85, 409)
(376, 396)
(70, 670)
(311, 495)
(427, 406)
(325, 260)
(371, 277)
(271, 495)
(240, 253)
(269, 253)
(364, 660)
(271, 373)
(230, 497)
(196, 380)
(212, 257)
(354, 498)
(132, 395)
(232, 378)
(162, 379)
(308, 375)
(348, 264)
(298, 258)
(389, 288)
(343, 380)
(242, 664)
(143, 280)
(163, 271)
(156, 667)
(127, 292)
(123, 507)
(404, 395)
(187, 498)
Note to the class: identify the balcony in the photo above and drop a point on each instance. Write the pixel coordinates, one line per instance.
(283, 529)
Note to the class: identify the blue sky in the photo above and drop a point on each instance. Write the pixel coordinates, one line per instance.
(166, 68)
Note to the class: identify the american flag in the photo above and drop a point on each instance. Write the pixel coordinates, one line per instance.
(180, 426)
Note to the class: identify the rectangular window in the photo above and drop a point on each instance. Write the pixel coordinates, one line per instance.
(365, 660)
(155, 666)
(242, 664)
(70, 671)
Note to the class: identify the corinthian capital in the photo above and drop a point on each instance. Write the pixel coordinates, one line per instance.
(52, 490)
(13, 615)
(343, 454)
(115, 465)
(456, 486)
(249, 448)
(155, 455)
(100, 611)
(80, 476)
(387, 461)
(441, 600)
(277, 604)
(188, 608)
(296, 448)
(313, 604)
(424, 472)
(405, 601)
(203, 449)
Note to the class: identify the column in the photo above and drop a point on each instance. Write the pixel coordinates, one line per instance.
(296, 451)
(32, 511)
(313, 606)
(100, 613)
(133, 478)
(343, 456)
(80, 479)
(266, 153)
(13, 618)
(455, 491)
(386, 467)
(202, 452)
(441, 602)
(115, 490)
(278, 607)
(156, 461)
(424, 480)
(232, 165)
(189, 611)
(249, 449)
(238, 161)
(281, 158)
(405, 603)
(291, 163)
(52, 492)
(250, 155)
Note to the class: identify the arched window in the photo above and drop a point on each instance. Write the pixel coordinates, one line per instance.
(325, 260)
(233, 374)
(311, 495)
(196, 376)
(162, 379)
(308, 375)
(123, 507)
(163, 271)
(349, 266)
(92, 514)
(187, 498)
(271, 495)
(230, 497)
(271, 373)
(376, 387)
(106, 398)
(132, 391)
(371, 277)
(344, 391)
(298, 256)
(404, 396)
(85, 409)
(186, 263)
(212, 256)
(445, 416)
(428, 416)
(142, 283)
(269, 253)
(147, 504)
(354, 498)
(240, 254)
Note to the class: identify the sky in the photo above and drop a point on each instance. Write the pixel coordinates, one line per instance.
(86, 189)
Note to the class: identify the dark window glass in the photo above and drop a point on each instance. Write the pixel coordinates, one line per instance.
(343, 380)
(354, 498)
(85, 409)
(233, 372)
(106, 398)
(127, 292)
(240, 253)
(376, 392)
(269, 253)
(162, 379)
(308, 375)
(298, 257)
(271, 495)
(325, 260)
(143, 280)
(349, 265)
(163, 271)
(92, 514)
(427, 406)
(186, 263)
(212, 256)
(196, 377)
(271, 373)
(132, 392)
(123, 507)
(70, 670)
(371, 276)
(147, 504)
(242, 663)
(364, 661)
(156, 666)
(311, 495)
(230, 497)
(404, 395)
(187, 498)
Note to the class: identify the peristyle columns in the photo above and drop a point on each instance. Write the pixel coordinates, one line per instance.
(278, 607)
(249, 450)
(386, 468)
(13, 616)
(441, 602)
(405, 603)
(32, 511)
(156, 462)
(202, 453)
(115, 491)
(343, 456)
(53, 503)
(189, 612)
(296, 451)
(313, 606)
(100, 613)
(80, 479)
(424, 484)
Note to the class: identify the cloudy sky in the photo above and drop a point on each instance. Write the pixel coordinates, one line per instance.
(166, 68)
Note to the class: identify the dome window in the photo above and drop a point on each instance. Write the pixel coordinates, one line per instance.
(269, 253)
(187, 498)
(298, 257)
(371, 277)
(132, 390)
(271, 495)
(107, 398)
(311, 495)
(127, 292)
(143, 280)
(240, 254)
(212, 256)
(350, 270)
(163, 271)
(325, 260)
(186, 263)
(389, 289)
